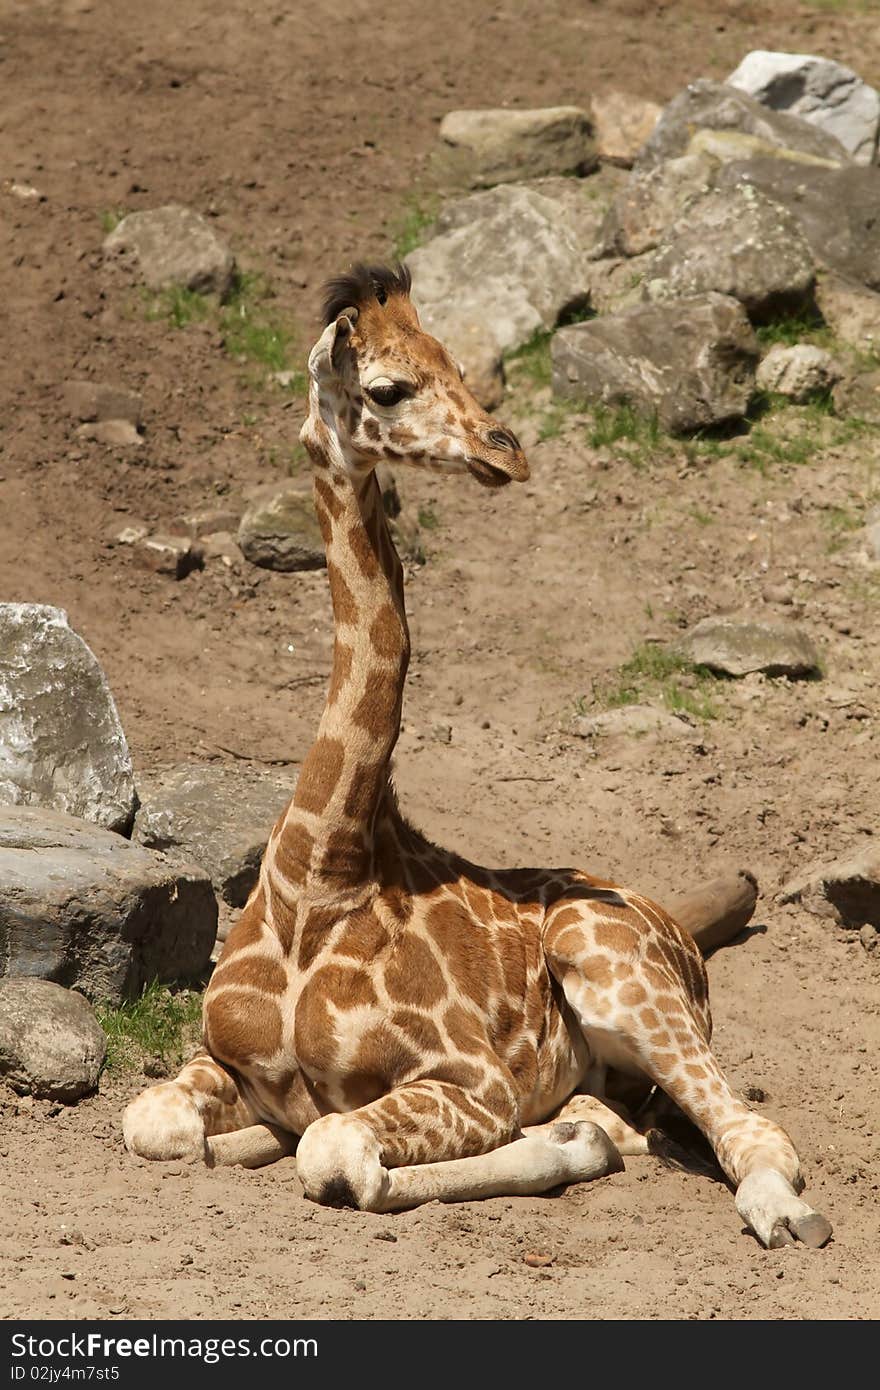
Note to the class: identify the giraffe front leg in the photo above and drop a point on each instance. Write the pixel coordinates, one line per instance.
(175, 1118)
(422, 1144)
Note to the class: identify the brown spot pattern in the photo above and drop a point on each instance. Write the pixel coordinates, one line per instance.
(320, 774)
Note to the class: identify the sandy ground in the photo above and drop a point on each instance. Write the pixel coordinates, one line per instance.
(305, 140)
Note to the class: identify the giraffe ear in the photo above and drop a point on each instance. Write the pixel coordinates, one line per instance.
(327, 357)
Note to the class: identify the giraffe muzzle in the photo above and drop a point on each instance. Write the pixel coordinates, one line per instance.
(503, 462)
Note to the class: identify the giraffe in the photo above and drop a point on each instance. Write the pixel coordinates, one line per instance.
(417, 1026)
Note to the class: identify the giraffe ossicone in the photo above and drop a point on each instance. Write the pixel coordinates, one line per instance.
(429, 1028)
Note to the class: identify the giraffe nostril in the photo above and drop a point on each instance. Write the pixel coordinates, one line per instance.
(503, 439)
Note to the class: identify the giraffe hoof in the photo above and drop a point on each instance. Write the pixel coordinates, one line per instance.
(813, 1230)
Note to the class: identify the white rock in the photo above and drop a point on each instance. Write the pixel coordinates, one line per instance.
(634, 721)
(797, 372)
(820, 91)
(174, 246)
(61, 741)
(503, 146)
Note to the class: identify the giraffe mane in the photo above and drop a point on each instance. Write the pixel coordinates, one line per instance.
(362, 284)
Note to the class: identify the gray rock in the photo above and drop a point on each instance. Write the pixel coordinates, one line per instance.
(279, 531)
(847, 890)
(617, 283)
(61, 742)
(504, 265)
(622, 123)
(86, 908)
(96, 400)
(502, 146)
(632, 721)
(821, 91)
(799, 372)
(738, 648)
(51, 1044)
(689, 362)
(651, 201)
(174, 246)
(851, 312)
(738, 243)
(859, 398)
(838, 210)
(707, 105)
(869, 938)
(215, 816)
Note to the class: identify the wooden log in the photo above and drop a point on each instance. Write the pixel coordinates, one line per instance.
(716, 911)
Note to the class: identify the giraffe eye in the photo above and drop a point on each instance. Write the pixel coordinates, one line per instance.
(386, 393)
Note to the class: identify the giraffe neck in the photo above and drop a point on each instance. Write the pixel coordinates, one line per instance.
(328, 835)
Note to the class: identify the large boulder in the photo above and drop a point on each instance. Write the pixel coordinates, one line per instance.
(651, 201)
(838, 209)
(690, 362)
(171, 246)
(504, 265)
(823, 92)
(280, 531)
(61, 742)
(84, 907)
(735, 648)
(486, 147)
(216, 816)
(741, 244)
(51, 1044)
(707, 105)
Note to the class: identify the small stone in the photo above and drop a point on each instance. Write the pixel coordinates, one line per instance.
(51, 1044)
(172, 556)
(174, 246)
(26, 193)
(756, 1094)
(869, 937)
(206, 522)
(96, 400)
(536, 1259)
(118, 434)
(632, 721)
(130, 535)
(738, 648)
(442, 733)
(846, 890)
(799, 372)
(385, 1235)
(279, 531)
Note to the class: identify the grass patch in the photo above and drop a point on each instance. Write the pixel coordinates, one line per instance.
(409, 227)
(178, 307)
(428, 519)
(111, 218)
(161, 1024)
(611, 425)
(252, 330)
(655, 671)
(839, 522)
(532, 361)
(807, 326)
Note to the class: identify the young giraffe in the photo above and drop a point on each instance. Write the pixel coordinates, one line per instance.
(412, 1016)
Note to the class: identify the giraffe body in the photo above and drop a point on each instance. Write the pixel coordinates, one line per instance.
(431, 1028)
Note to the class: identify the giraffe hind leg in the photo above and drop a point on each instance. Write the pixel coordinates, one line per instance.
(627, 973)
(175, 1118)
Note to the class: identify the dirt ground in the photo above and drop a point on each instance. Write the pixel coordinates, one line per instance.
(304, 136)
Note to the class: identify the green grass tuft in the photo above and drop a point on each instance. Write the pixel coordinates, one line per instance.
(610, 425)
(161, 1024)
(409, 227)
(532, 361)
(657, 671)
(111, 218)
(177, 306)
(428, 519)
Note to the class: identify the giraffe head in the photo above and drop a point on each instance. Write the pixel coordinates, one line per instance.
(382, 389)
